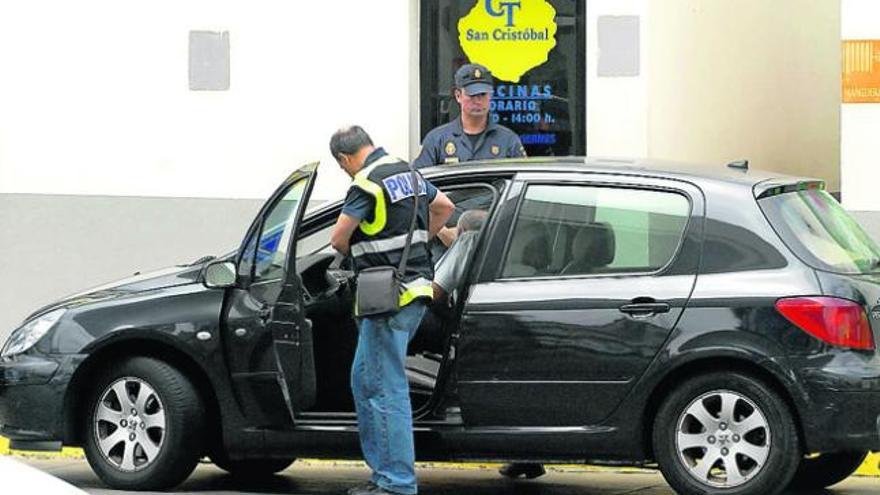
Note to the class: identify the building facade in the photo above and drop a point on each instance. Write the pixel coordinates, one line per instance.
(133, 138)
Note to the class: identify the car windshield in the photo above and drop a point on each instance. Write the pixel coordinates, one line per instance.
(820, 232)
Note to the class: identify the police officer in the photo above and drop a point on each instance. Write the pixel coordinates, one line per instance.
(472, 136)
(373, 228)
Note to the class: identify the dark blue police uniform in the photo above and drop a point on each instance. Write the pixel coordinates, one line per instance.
(448, 144)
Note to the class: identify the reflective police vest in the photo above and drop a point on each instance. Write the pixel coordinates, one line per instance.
(380, 241)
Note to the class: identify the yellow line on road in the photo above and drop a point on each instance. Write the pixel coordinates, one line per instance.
(66, 452)
(871, 467)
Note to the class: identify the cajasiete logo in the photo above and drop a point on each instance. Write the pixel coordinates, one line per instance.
(510, 37)
(507, 8)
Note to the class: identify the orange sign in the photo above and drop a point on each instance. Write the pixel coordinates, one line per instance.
(860, 64)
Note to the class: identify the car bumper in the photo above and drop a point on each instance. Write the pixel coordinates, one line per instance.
(844, 408)
(32, 394)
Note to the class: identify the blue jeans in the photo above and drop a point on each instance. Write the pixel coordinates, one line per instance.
(381, 397)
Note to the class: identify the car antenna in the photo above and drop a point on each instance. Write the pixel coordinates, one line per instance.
(740, 164)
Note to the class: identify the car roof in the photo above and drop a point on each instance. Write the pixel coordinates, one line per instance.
(691, 172)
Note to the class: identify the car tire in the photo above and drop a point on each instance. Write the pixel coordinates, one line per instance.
(251, 468)
(826, 470)
(143, 426)
(726, 433)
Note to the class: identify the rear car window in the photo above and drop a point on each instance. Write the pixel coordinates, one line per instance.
(820, 232)
(584, 230)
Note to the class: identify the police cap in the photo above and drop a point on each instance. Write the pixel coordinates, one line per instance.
(474, 79)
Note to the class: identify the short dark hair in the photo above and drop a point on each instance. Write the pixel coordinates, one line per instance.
(472, 220)
(349, 140)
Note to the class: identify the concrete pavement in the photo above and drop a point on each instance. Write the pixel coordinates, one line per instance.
(324, 478)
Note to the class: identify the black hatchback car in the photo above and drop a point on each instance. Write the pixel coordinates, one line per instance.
(721, 324)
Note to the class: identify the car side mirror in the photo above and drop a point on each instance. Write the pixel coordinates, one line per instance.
(219, 275)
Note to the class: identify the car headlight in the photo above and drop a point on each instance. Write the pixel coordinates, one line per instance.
(30, 333)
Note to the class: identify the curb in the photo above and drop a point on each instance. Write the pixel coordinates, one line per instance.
(871, 467)
(66, 452)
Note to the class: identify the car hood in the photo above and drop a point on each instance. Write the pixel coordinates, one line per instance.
(138, 283)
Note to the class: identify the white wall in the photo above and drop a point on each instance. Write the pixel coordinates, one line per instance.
(54, 246)
(860, 122)
(751, 79)
(616, 106)
(95, 100)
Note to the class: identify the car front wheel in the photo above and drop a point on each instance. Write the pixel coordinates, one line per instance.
(826, 469)
(144, 425)
(726, 433)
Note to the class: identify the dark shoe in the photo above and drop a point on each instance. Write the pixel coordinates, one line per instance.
(527, 470)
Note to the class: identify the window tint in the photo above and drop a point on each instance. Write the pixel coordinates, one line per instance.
(268, 255)
(469, 198)
(579, 230)
(814, 225)
(732, 248)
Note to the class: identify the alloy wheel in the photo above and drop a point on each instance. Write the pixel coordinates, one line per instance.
(723, 439)
(129, 424)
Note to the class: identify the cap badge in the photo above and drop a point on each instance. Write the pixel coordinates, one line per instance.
(450, 148)
(477, 73)
(495, 149)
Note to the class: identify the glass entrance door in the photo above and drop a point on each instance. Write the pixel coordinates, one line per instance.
(546, 106)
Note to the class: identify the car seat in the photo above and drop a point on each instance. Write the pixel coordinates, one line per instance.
(593, 247)
(529, 252)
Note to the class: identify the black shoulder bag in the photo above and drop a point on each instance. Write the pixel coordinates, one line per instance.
(378, 287)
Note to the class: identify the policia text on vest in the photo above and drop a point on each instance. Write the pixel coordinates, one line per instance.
(381, 237)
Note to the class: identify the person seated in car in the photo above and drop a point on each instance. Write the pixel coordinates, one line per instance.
(448, 272)
(449, 269)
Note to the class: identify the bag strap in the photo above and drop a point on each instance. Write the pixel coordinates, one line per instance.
(412, 226)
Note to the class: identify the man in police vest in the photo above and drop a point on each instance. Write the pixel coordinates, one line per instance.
(472, 136)
(373, 228)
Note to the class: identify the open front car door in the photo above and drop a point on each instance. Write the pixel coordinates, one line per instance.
(269, 345)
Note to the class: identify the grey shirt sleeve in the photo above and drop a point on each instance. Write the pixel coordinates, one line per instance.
(450, 268)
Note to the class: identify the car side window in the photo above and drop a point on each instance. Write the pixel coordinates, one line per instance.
(583, 230)
(267, 255)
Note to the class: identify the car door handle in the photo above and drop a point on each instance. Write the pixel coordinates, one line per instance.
(643, 310)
